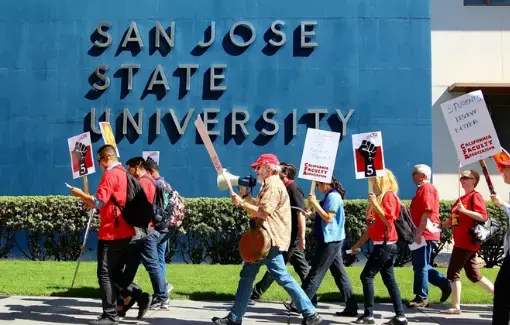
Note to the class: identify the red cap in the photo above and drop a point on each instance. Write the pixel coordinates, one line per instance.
(504, 162)
(266, 158)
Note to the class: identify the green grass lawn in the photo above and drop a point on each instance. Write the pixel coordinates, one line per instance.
(200, 282)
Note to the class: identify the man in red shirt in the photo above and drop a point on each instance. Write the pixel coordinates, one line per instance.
(424, 207)
(114, 232)
(146, 242)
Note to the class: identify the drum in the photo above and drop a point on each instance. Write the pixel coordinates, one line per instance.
(255, 244)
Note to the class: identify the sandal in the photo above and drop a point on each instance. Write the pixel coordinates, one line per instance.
(451, 311)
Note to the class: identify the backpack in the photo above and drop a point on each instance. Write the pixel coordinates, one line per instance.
(404, 224)
(168, 207)
(137, 211)
(406, 230)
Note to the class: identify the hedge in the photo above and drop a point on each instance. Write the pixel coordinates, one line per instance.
(54, 225)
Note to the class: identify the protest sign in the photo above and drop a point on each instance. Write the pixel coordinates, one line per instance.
(151, 155)
(202, 131)
(368, 155)
(80, 151)
(319, 155)
(471, 128)
(108, 137)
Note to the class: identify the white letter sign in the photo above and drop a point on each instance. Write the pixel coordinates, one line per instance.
(319, 155)
(471, 127)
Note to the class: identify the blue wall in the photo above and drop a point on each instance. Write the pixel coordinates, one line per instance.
(373, 57)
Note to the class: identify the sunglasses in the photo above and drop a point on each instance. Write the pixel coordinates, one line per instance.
(465, 178)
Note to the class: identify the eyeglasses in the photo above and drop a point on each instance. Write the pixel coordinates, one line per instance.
(465, 178)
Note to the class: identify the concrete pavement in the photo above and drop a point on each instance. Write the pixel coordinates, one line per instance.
(63, 311)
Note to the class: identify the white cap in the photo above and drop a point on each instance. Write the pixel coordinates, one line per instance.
(424, 169)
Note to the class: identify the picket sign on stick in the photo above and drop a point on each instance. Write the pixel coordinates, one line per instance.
(91, 216)
(202, 130)
(319, 156)
(82, 164)
(368, 156)
(471, 129)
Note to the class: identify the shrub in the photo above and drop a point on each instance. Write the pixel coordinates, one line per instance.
(54, 225)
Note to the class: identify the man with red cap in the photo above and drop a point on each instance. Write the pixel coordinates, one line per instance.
(501, 305)
(272, 206)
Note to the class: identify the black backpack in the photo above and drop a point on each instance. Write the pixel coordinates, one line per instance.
(138, 211)
(406, 229)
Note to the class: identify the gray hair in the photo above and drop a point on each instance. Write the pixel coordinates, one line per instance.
(423, 169)
(275, 168)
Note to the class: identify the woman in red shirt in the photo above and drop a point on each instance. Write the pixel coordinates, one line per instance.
(382, 211)
(463, 217)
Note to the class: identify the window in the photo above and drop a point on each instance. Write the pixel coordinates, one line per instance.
(499, 109)
(486, 2)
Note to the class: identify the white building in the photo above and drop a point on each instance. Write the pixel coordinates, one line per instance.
(470, 51)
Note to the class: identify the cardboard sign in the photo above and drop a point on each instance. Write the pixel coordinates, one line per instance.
(82, 158)
(202, 131)
(108, 137)
(368, 155)
(319, 155)
(151, 155)
(471, 127)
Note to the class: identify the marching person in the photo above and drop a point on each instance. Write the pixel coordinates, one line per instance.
(501, 307)
(465, 211)
(425, 207)
(114, 232)
(164, 234)
(295, 254)
(329, 232)
(273, 207)
(383, 209)
(148, 240)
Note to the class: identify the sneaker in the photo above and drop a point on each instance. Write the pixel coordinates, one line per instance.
(224, 321)
(347, 313)
(445, 294)
(397, 320)
(143, 305)
(364, 320)
(291, 307)
(162, 305)
(417, 303)
(314, 319)
(104, 320)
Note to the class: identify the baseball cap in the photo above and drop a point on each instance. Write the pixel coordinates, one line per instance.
(266, 158)
(504, 162)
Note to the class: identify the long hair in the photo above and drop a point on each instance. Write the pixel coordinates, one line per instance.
(337, 186)
(386, 183)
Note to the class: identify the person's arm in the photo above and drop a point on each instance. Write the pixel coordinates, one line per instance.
(363, 239)
(270, 201)
(478, 205)
(85, 198)
(326, 216)
(446, 224)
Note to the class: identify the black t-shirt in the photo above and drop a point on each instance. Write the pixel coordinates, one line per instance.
(297, 199)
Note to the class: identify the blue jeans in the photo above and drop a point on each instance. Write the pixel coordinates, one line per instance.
(162, 245)
(277, 269)
(145, 251)
(381, 260)
(425, 273)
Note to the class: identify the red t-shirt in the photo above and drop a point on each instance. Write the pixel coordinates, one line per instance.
(113, 182)
(149, 189)
(426, 199)
(376, 228)
(462, 238)
(148, 186)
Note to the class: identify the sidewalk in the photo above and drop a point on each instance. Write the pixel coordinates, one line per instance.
(55, 310)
